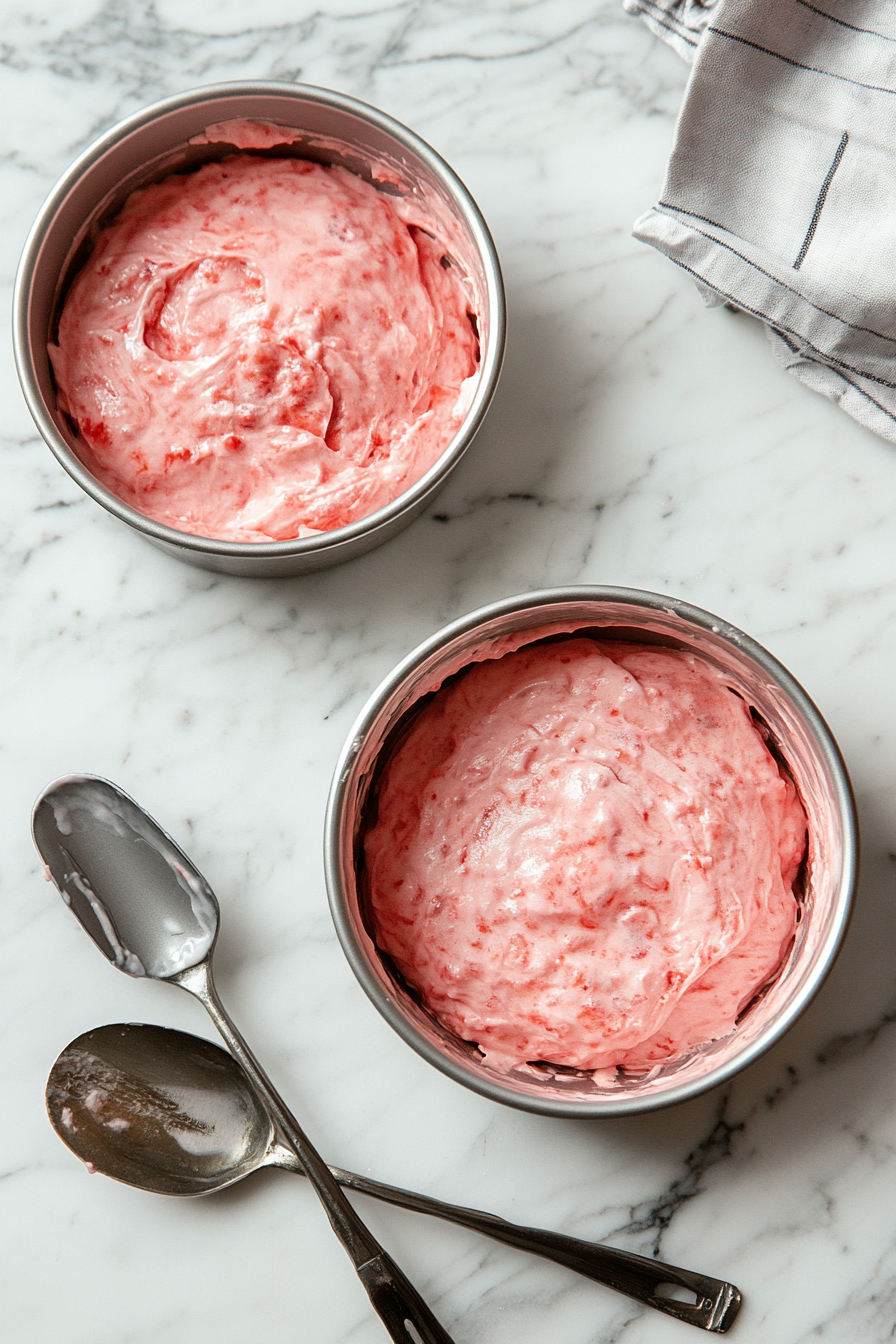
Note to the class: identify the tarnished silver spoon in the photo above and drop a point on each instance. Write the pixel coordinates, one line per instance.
(176, 1115)
(153, 914)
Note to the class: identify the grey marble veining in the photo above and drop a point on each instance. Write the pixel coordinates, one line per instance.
(636, 438)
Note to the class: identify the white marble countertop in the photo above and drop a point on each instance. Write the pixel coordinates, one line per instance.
(636, 438)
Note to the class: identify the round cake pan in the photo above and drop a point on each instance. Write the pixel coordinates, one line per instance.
(798, 737)
(156, 142)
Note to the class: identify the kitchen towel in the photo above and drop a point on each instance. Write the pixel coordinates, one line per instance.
(780, 195)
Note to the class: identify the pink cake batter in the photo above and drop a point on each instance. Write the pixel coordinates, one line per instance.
(584, 853)
(264, 349)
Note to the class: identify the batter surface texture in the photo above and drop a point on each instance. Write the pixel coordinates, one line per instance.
(584, 853)
(264, 349)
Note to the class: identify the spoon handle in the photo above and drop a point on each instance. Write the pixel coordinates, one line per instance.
(400, 1307)
(717, 1303)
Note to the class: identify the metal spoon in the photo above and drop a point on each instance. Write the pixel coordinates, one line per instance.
(176, 1115)
(153, 914)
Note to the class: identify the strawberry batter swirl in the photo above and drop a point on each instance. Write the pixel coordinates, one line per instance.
(584, 853)
(263, 349)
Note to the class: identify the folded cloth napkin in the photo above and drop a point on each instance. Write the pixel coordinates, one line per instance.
(780, 195)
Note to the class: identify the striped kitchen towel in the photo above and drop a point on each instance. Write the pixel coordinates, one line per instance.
(780, 195)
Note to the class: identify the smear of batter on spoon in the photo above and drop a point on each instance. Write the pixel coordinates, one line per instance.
(584, 853)
(265, 348)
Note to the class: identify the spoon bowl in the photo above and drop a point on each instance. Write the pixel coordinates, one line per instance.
(138, 895)
(158, 1109)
